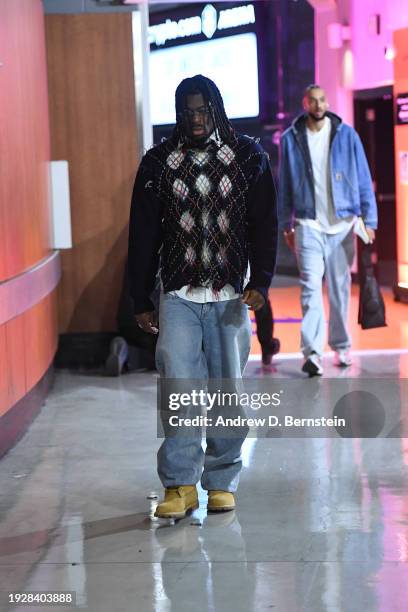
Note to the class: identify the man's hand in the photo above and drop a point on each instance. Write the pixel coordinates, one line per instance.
(148, 322)
(290, 239)
(253, 299)
(371, 234)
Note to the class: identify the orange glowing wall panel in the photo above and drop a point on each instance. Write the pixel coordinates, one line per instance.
(24, 137)
(401, 154)
(27, 339)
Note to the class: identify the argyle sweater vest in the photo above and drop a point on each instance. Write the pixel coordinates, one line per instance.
(204, 216)
(207, 211)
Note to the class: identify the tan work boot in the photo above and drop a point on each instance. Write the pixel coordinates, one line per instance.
(220, 501)
(177, 502)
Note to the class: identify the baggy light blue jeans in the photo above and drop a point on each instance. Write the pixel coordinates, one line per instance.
(201, 341)
(330, 255)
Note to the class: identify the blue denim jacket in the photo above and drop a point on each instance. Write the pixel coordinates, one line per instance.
(350, 175)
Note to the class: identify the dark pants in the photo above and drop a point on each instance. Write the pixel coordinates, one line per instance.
(141, 347)
(264, 327)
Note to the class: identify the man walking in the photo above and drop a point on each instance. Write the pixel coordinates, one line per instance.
(325, 184)
(205, 199)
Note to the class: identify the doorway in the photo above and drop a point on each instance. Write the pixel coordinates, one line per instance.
(373, 117)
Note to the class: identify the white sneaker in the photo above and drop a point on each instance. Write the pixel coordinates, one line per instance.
(342, 358)
(313, 365)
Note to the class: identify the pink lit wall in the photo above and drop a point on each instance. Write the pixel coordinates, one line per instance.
(359, 63)
(329, 68)
(333, 70)
(401, 153)
(371, 69)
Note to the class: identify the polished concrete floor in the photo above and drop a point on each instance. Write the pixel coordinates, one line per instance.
(285, 299)
(320, 524)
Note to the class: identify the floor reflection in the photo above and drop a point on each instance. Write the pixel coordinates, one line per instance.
(206, 583)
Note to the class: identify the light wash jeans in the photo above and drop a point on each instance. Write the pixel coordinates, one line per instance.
(200, 341)
(330, 255)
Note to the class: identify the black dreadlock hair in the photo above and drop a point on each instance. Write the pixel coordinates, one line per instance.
(200, 84)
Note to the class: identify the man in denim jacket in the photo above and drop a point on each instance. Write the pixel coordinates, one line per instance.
(325, 184)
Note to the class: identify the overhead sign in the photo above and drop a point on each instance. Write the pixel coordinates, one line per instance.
(207, 23)
(402, 108)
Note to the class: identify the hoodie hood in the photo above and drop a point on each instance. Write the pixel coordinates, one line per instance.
(299, 123)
